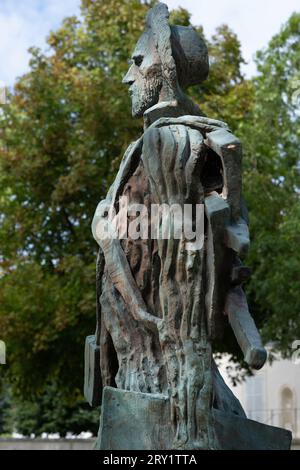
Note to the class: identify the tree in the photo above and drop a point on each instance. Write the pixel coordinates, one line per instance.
(51, 414)
(62, 135)
(272, 182)
(5, 407)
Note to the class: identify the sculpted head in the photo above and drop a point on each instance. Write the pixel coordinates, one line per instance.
(166, 60)
(144, 77)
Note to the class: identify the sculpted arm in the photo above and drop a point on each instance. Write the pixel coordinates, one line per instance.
(115, 258)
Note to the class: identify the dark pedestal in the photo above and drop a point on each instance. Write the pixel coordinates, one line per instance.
(138, 421)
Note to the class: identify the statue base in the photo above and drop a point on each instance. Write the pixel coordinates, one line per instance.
(140, 421)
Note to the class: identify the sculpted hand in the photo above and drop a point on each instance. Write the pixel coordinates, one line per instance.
(117, 265)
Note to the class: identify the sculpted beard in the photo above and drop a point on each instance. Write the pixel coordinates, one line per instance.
(145, 91)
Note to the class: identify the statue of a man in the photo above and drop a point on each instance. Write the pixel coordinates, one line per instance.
(160, 301)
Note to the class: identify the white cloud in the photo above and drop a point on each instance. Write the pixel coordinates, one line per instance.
(255, 21)
(26, 23)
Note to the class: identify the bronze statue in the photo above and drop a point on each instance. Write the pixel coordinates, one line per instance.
(160, 303)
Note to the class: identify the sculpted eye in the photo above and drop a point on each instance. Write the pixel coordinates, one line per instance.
(138, 60)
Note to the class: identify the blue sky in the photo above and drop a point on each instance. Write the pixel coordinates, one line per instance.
(26, 23)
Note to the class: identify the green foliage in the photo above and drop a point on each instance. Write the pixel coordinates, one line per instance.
(5, 408)
(51, 413)
(180, 17)
(226, 95)
(45, 316)
(62, 135)
(272, 182)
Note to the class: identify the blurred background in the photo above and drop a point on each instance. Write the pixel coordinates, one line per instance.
(65, 122)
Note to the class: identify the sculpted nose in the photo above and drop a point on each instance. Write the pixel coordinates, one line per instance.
(128, 79)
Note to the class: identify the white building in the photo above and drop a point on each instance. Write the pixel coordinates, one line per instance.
(272, 395)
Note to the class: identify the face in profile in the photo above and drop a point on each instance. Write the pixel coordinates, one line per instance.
(144, 77)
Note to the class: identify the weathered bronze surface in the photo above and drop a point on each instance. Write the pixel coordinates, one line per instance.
(160, 304)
